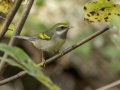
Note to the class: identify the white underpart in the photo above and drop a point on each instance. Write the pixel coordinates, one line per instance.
(60, 32)
(33, 42)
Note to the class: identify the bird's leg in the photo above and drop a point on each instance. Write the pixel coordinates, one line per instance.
(43, 61)
(54, 52)
(60, 52)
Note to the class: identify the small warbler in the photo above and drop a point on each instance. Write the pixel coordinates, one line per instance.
(50, 40)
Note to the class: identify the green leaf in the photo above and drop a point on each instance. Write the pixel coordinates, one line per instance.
(11, 61)
(6, 5)
(23, 61)
(100, 10)
(115, 21)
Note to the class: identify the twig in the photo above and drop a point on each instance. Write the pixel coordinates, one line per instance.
(5, 18)
(58, 55)
(109, 85)
(20, 74)
(9, 18)
(17, 31)
(79, 43)
(2, 17)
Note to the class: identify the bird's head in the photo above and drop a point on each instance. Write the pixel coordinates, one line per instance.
(61, 29)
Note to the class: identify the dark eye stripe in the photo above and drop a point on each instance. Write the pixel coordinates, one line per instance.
(60, 28)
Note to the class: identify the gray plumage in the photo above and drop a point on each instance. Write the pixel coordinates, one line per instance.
(57, 38)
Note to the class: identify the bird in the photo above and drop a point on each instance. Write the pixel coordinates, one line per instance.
(50, 40)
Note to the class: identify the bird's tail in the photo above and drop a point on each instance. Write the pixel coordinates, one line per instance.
(22, 37)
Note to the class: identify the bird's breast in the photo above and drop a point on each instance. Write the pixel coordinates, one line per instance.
(49, 45)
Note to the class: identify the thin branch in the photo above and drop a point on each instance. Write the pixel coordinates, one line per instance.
(109, 85)
(2, 17)
(5, 18)
(20, 74)
(79, 43)
(58, 55)
(17, 31)
(9, 18)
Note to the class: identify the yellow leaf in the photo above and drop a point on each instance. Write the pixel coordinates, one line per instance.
(6, 5)
(100, 11)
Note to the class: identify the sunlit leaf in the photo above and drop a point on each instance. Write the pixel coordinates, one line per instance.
(100, 10)
(6, 5)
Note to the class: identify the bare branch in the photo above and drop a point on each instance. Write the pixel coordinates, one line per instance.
(17, 31)
(2, 17)
(58, 55)
(109, 85)
(5, 18)
(20, 74)
(9, 18)
(79, 43)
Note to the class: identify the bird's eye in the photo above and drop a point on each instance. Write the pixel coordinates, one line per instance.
(60, 28)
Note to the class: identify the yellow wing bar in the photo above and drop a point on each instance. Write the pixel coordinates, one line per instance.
(44, 36)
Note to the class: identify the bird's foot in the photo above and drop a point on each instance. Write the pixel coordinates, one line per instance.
(43, 63)
(61, 53)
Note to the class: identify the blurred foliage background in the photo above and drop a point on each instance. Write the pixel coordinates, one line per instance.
(88, 67)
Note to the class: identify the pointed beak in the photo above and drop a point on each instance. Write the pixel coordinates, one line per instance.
(70, 27)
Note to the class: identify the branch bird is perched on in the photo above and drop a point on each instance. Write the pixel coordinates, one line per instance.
(50, 40)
